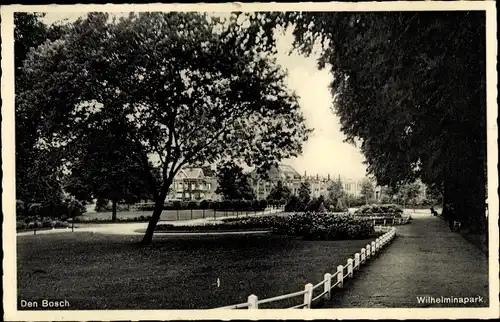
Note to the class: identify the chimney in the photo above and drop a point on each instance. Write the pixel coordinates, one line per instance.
(328, 177)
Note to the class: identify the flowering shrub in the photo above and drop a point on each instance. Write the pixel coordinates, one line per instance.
(313, 226)
(324, 226)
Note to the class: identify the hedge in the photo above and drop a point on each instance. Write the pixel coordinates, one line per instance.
(226, 205)
(62, 209)
(45, 223)
(389, 210)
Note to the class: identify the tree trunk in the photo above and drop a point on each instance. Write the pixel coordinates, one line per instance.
(159, 200)
(113, 211)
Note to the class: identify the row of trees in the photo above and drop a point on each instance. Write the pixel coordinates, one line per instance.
(411, 87)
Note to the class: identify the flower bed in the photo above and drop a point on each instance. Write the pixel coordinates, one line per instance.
(383, 211)
(311, 226)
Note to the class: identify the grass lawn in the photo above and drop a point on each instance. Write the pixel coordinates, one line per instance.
(167, 214)
(95, 271)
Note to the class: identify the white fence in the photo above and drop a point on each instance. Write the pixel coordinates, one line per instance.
(384, 221)
(330, 281)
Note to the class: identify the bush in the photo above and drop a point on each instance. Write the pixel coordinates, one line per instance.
(326, 226)
(20, 209)
(49, 209)
(45, 223)
(100, 205)
(193, 205)
(312, 205)
(204, 204)
(292, 204)
(263, 204)
(21, 225)
(389, 210)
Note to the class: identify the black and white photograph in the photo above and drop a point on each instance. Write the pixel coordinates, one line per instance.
(200, 161)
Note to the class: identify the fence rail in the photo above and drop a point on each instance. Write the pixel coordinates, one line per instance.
(342, 273)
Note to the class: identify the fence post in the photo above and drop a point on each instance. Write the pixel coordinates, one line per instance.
(385, 221)
(393, 221)
(356, 261)
(373, 222)
(349, 268)
(328, 285)
(252, 302)
(340, 276)
(363, 255)
(377, 244)
(373, 249)
(308, 295)
(368, 251)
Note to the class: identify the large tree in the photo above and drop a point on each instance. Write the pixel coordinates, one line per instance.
(411, 87)
(187, 88)
(233, 183)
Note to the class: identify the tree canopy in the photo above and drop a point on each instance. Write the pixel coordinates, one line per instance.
(184, 87)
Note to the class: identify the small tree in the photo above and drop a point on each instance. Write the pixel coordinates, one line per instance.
(409, 192)
(367, 190)
(304, 192)
(278, 193)
(232, 183)
(335, 191)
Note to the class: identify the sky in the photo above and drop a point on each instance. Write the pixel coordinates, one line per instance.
(325, 152)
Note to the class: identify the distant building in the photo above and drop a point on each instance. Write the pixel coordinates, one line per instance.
(284, 173)
(292, 179)
(192, 184)
(352, 187)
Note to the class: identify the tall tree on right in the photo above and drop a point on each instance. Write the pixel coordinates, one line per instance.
(411, 87)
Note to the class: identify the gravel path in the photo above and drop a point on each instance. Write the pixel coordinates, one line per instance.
(425, 260)
(132, 228)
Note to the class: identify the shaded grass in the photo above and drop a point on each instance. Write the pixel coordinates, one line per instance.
(94, 271)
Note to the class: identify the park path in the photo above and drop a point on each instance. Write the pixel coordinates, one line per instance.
(133, 227)
(426, 259)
